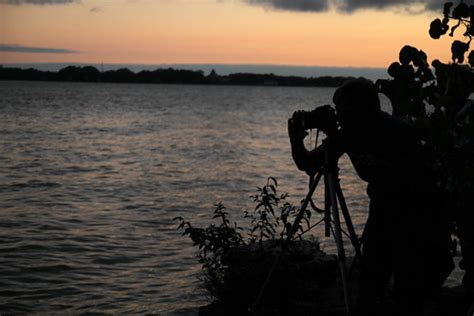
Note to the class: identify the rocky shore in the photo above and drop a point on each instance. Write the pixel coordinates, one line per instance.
(306, 282)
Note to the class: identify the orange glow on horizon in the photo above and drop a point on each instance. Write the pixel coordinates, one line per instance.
(225, 32)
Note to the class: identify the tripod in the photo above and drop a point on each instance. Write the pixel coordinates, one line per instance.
(333, 197)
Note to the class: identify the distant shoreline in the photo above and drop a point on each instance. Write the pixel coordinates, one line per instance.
(305, 71)
(167, 76)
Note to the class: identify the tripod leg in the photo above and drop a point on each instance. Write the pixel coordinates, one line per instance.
(338, 237)
(347, 218)
(327, 208)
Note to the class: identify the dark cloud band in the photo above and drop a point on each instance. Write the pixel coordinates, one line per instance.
(293, 5)
(347, 6)
(37, 2)
(354, 5)
(37, 50)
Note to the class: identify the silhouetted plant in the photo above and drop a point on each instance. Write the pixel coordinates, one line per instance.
(270, 222)
(265, 221)
(263, 218)
(214, 240)
(287, 216)
(462, 14)
(438, 105)
(272, 218)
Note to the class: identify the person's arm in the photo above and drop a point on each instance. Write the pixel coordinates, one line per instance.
(308, 161)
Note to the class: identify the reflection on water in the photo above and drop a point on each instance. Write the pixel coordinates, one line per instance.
(92, 174)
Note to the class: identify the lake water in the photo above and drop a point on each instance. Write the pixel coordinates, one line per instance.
(91, 176)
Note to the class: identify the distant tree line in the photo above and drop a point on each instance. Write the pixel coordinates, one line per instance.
(166, 76)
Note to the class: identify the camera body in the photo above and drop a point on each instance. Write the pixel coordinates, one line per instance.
(322, 118)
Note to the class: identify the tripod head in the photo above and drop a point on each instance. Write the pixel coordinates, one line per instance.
(332, 153)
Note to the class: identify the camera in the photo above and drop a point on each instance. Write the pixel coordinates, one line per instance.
(322, 118)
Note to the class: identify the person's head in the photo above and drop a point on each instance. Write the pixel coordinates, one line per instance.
(357, 103)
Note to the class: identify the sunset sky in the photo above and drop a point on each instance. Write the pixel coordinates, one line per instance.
(365, 33)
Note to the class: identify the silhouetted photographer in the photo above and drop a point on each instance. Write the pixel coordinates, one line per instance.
(406, 236)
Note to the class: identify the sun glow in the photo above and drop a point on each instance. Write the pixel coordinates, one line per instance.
(152, 32)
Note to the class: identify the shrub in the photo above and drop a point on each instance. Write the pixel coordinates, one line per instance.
(235, 261)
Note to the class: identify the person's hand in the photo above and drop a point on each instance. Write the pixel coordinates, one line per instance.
(296, 132)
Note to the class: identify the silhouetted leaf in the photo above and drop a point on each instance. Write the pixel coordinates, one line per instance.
(420, 59)
(427, 75)
(271, 209)
(306, 221)
(437, 28)
(470, 29)
(259, 205)
(447, 8)
(269, 231)
(394, 69)
(272, 188)
(458, 49)
(407, 54)
(461, 11)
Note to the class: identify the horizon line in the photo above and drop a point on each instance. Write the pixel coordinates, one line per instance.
(225, 69)
(193, 64)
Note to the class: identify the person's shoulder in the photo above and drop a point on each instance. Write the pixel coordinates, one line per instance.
(395, 123)
(397, 129)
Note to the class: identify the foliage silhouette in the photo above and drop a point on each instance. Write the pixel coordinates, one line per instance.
(438, 105)
(234, 260)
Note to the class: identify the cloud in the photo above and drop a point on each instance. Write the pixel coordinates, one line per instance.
(38, 50)
(293, 5)
(37, 2)
(437, 5)
(96, 9)
(348, 6)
